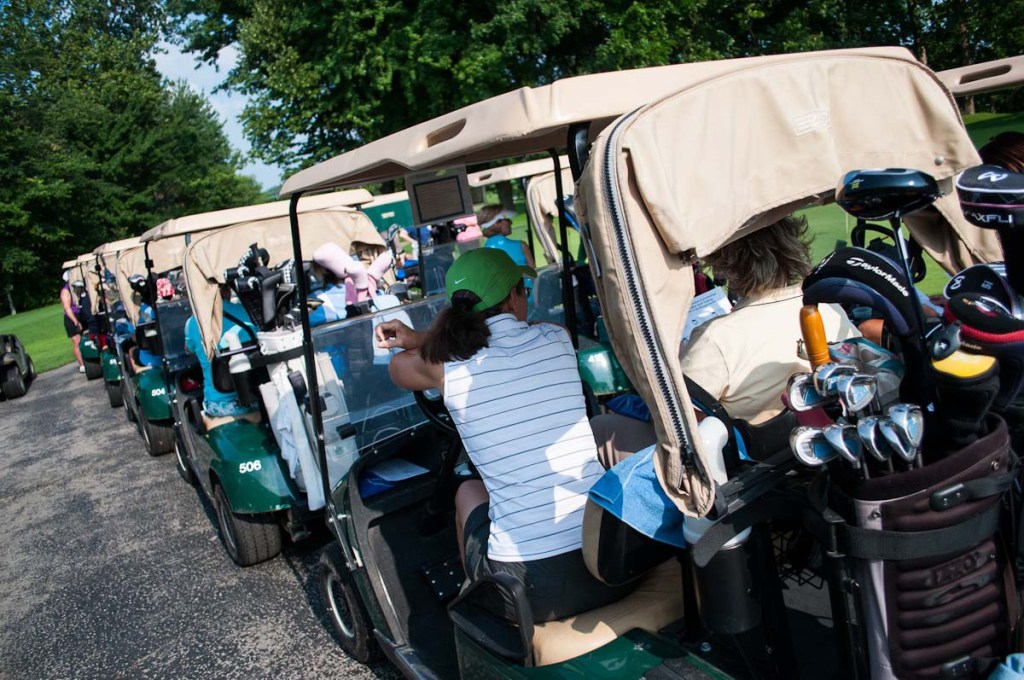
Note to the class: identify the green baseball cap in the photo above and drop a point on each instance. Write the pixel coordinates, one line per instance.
(488, 273)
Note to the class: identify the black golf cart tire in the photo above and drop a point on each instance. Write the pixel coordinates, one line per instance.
(31, 369)
(114, 395)
(338, 589)
(247, 539)
(14, 383)
(129, 413)
(92, 370)
(159, 439)
(183, 464)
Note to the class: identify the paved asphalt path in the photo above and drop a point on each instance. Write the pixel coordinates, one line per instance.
(111, 567)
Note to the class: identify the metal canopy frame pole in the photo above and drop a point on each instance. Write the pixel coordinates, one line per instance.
(313, 384)
(568, 299)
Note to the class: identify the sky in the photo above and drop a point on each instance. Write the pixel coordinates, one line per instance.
(176, 65)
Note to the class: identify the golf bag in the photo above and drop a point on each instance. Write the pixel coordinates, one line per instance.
(936, 596)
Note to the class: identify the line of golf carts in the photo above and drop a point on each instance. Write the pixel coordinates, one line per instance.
(806, 558)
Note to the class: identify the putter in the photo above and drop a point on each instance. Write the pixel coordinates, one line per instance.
(895, 437)
(802, 395)
(826, 375)
(909, 420)
(810, 446)
(843, 438)
(856, 392)
(867, 430)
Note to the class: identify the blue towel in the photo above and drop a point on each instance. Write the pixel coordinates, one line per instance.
(1010, 669)
(631, 406)
(631, 492)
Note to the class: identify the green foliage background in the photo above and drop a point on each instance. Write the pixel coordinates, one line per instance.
(94, 145)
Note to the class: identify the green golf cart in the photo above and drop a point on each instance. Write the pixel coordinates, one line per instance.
(110, 313)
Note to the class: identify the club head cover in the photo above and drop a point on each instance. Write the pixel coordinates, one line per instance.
(992, 197)
(861, 277)
(883, 194)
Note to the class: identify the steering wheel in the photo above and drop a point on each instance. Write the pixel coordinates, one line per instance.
(431, 403)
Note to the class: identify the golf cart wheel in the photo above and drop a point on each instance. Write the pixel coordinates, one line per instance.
(114, 395)
(31, 369)
(92, 370)
(128, 412)
(248, 539)
(14, 384)
(348, 613)
(184, 465)
(159, 438)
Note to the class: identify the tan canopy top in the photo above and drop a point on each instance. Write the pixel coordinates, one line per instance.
(522, 122)
(115, 246)
(76, 267)
(382, 199)
(507, 173)
(986, 77)
(212, 253)
(540, 203)
(726, 156)
(223, 218)
(128, 262)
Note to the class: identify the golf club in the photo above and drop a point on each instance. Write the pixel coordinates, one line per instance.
(897, 439)
(856, 392)
(909, 421)
(826, 375)
(867, 430)
(802, 395)
(843, 438)
(810, 446)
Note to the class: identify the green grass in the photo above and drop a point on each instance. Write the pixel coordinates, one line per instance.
(984, 126)
(42, 332)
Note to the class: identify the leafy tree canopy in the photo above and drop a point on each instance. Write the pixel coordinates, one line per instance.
(95, 146)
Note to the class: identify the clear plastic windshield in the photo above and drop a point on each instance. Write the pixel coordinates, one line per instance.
(378, 408)
(435, 260)
(172, 315)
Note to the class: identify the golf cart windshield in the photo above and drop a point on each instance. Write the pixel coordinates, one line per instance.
(378, 409)
(172, 315)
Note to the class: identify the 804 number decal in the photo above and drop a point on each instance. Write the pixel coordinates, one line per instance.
(250, 466)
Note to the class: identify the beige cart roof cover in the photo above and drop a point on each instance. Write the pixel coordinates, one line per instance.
(76, 268)
(518, 123)
(212, 253)
(129, 261)
(729, 154)
(251, 213)
(986, 77)
(507, 173)
(540, 204)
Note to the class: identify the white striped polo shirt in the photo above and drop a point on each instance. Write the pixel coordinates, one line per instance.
(518, 405)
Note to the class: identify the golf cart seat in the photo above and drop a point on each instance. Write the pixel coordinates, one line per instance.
(656, 603)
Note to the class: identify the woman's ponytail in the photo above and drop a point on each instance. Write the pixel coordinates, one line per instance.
(458, 332)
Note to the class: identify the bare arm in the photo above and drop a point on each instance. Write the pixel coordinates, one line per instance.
(407, 368)
(528, 254)
(65, 301)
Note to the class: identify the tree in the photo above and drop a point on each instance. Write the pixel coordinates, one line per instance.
(95, 146)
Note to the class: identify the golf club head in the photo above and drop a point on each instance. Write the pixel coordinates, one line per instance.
(867, 430)
(910, 419)
(883, 194)
(896, 439)
(810, 446)
(843, 438)
(983, 313)
(857, 391)
(826, 376)
(802, 395)
(988, 280)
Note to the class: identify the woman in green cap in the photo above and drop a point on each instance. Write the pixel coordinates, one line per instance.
(514, 393)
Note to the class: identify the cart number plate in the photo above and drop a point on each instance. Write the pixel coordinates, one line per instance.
(251, 466)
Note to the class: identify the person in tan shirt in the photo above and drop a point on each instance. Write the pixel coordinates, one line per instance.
(744, 358)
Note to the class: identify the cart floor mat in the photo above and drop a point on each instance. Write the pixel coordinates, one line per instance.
(445, 578)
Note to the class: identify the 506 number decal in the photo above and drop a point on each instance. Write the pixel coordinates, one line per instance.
(251, 466)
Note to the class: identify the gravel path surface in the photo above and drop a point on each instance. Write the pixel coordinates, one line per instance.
(110, 566)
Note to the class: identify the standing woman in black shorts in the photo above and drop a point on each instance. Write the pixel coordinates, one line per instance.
(72, 326)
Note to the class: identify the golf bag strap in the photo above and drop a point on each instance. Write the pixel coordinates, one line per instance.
(261, 360)
(714, 407)
(240, 323)
(880, 544)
